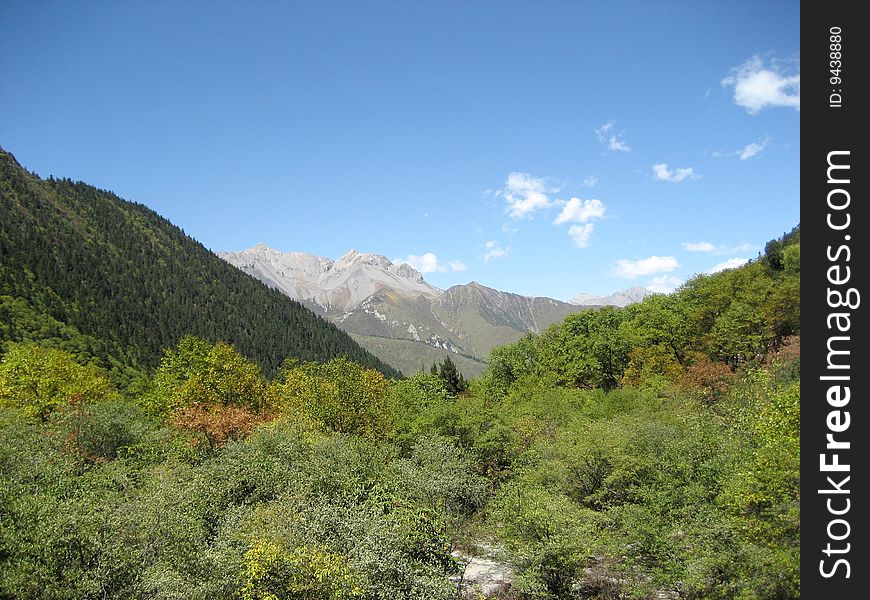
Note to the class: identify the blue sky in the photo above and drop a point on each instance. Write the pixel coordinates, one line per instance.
(545, 148)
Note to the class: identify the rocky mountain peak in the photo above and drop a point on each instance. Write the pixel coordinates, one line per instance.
(621, 298)
(354, 257)
(406, 271)
(334, 286)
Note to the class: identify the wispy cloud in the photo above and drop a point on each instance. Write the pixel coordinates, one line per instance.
(721, 249)
(758, 86)
(731, 263)
(611, 139)
(590, 181)
(753, 149)
(525, 194)
(428, 263)
(664, 284)
(645, 266)
(744, 247)
(663, 173)
(699, 246)
(748, 151)
(494, 250)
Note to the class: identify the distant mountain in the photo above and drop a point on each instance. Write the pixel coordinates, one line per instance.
(484, 317)
(621, 298)
(83, 269)
(335, 287)
(395, 314)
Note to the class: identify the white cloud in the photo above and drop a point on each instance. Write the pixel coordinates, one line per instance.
(580, 211)
(748, 151)
(757, 86)
(731, 263)
(708, 247)
(580, 234)
(664, 284)
(611, 139)
(590, 181)
(645, 266)
(428, 263)
(576, 210)
(615, 144)
(604, 130)
(663, 173)
(753, 149)
(525, 194)
(699, 246)
(494, 249)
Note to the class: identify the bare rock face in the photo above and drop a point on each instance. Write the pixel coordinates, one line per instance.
(333, 286)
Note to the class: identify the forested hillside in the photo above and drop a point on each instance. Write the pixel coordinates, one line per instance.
(86, 271)
(650, 453)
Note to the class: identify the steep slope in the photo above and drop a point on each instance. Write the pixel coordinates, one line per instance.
(487, 317)
(132, 283)
(411, 357)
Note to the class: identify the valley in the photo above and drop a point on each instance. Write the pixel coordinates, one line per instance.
(392, 312)
(174, 424)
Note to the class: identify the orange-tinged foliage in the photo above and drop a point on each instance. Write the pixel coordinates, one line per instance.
(218, 424)
(710, 380)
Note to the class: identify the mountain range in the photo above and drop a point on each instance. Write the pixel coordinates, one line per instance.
(622, 298)
(85, 270)
(396, 315)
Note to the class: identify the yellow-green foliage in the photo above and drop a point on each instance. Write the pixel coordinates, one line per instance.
(648, 362)
(340, 394)
(764, 491)
(41, 380)
(272, 572)
(199, 372)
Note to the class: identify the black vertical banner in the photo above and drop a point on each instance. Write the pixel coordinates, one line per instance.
(835, 299)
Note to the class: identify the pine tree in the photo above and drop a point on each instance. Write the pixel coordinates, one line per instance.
(453, 379)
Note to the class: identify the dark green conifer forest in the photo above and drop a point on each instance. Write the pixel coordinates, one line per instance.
(111, 278)
(170, 428)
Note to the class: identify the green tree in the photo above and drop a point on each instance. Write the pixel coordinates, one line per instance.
(590, 350)
(453, 380)
(197, 372)
(340, 394)
(41, 380)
